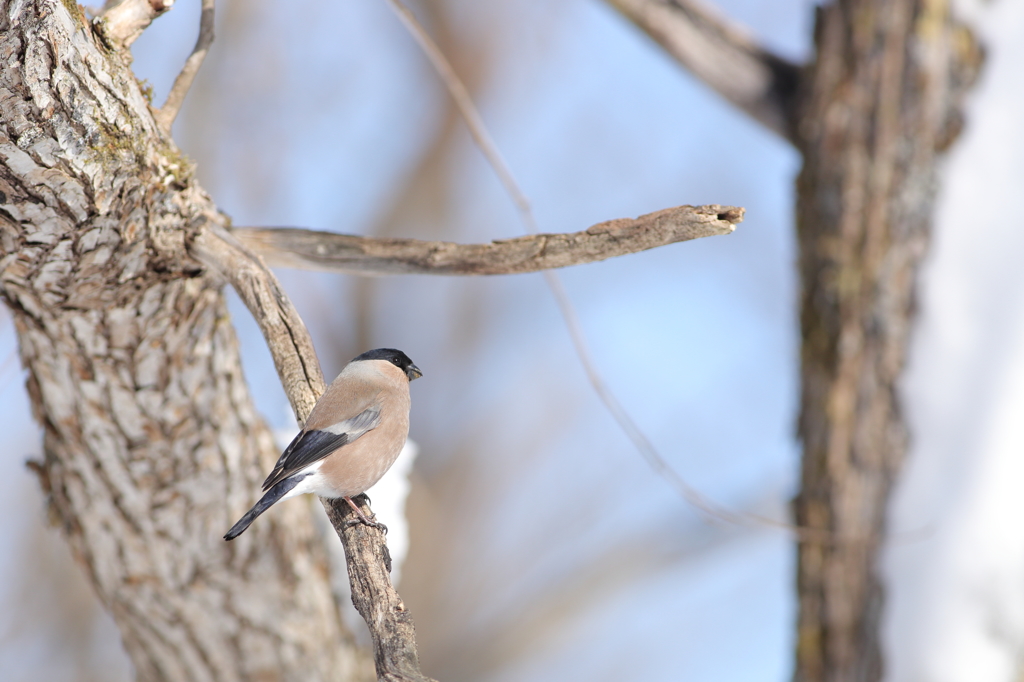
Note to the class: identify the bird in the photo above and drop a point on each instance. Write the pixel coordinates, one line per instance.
(352, 436)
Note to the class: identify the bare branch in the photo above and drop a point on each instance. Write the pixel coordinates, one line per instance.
(757, 81)
(122, 21)
(369, 571)
(166, 114)
(327, 251)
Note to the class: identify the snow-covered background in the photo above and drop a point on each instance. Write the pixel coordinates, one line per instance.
(541, 545)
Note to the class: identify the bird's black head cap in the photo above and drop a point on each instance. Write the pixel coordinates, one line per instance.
(395, 357)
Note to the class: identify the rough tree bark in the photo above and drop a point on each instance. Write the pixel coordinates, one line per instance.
(152, 445)
(112, 260)
(880, 102)
(870, 115)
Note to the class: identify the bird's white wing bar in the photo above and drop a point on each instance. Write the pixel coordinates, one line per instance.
(312, 446)
(365, 421)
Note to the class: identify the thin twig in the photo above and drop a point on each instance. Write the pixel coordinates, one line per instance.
(463, 101)
(166, 114)
(351, 254)
(483, 139)
(468, 110)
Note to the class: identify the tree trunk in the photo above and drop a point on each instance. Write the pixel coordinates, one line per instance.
(870, 115)
(152, 445)
(879, 103)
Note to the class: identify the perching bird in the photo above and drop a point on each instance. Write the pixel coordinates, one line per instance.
(352, 436)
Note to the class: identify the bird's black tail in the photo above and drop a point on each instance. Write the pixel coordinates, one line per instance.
(271, 496)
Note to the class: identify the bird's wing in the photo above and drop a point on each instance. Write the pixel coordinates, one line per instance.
(312, 446)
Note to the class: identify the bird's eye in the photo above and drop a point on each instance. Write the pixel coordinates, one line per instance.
(398, 363)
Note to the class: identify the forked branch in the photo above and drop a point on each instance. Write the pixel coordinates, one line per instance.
(728, 60)
(312, 250)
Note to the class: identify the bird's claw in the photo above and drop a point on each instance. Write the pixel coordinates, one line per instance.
(366, 522)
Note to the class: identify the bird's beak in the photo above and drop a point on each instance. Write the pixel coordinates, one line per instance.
(413, 372)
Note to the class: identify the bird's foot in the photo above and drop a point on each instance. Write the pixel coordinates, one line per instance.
(363, 518)
(366, 522)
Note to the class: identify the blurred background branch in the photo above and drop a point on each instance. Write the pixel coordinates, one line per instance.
(722, 55)
(166, 114)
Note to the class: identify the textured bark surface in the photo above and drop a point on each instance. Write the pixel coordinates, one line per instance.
(313, 250)
(880, 102)
(152, 445)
